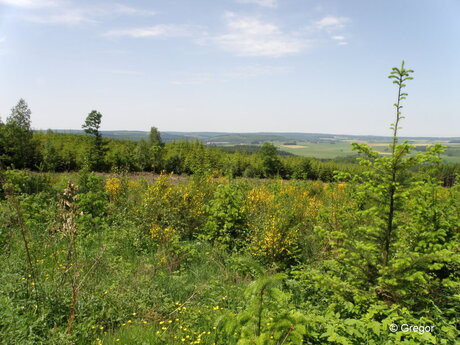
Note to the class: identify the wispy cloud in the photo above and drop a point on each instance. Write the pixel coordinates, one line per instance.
(340, 39)
(331, 23)
(31, 3)
(68, 16)
(155, 31)
(333, 27)
(263, 3)
(249, 36)
(71, 13)
(123, 9)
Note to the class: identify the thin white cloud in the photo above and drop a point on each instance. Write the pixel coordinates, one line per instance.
(338, 38)
(332, 26)
(71, 13)
(331, 23)
(263, 3)
(68, 16)
(155, 31)
(128, 10)
(31, 3)
(244, 36)
(249, 36)
(2, 39)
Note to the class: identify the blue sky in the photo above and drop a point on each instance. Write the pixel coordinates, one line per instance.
(232, 65)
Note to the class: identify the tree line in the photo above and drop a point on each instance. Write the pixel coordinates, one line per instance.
(23, 148)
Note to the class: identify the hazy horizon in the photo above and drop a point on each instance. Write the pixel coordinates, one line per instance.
(241, 132)
(235, 66)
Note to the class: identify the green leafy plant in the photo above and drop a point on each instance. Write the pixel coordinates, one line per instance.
(268, 319)
(227, 217)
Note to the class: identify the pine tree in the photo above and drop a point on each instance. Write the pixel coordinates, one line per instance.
(96, 152)
(268, 317)
(371, 250)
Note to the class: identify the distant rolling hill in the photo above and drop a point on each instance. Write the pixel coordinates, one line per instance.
(318, 145)
(257, 137)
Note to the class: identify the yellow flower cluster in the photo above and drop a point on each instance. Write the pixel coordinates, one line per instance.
(288, 190)
(161, 235)
(259, 196)
(160, 190)
(216, 177)
(113, 187)
(273, 243)
(312, 208)
(133, 184)
(193, 199)
(174, 329)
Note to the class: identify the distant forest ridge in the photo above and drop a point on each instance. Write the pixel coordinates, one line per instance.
(228, 138)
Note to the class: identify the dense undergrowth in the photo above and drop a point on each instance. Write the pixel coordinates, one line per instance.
(212, 260)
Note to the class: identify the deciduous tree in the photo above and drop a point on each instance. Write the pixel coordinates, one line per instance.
(17, 145)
